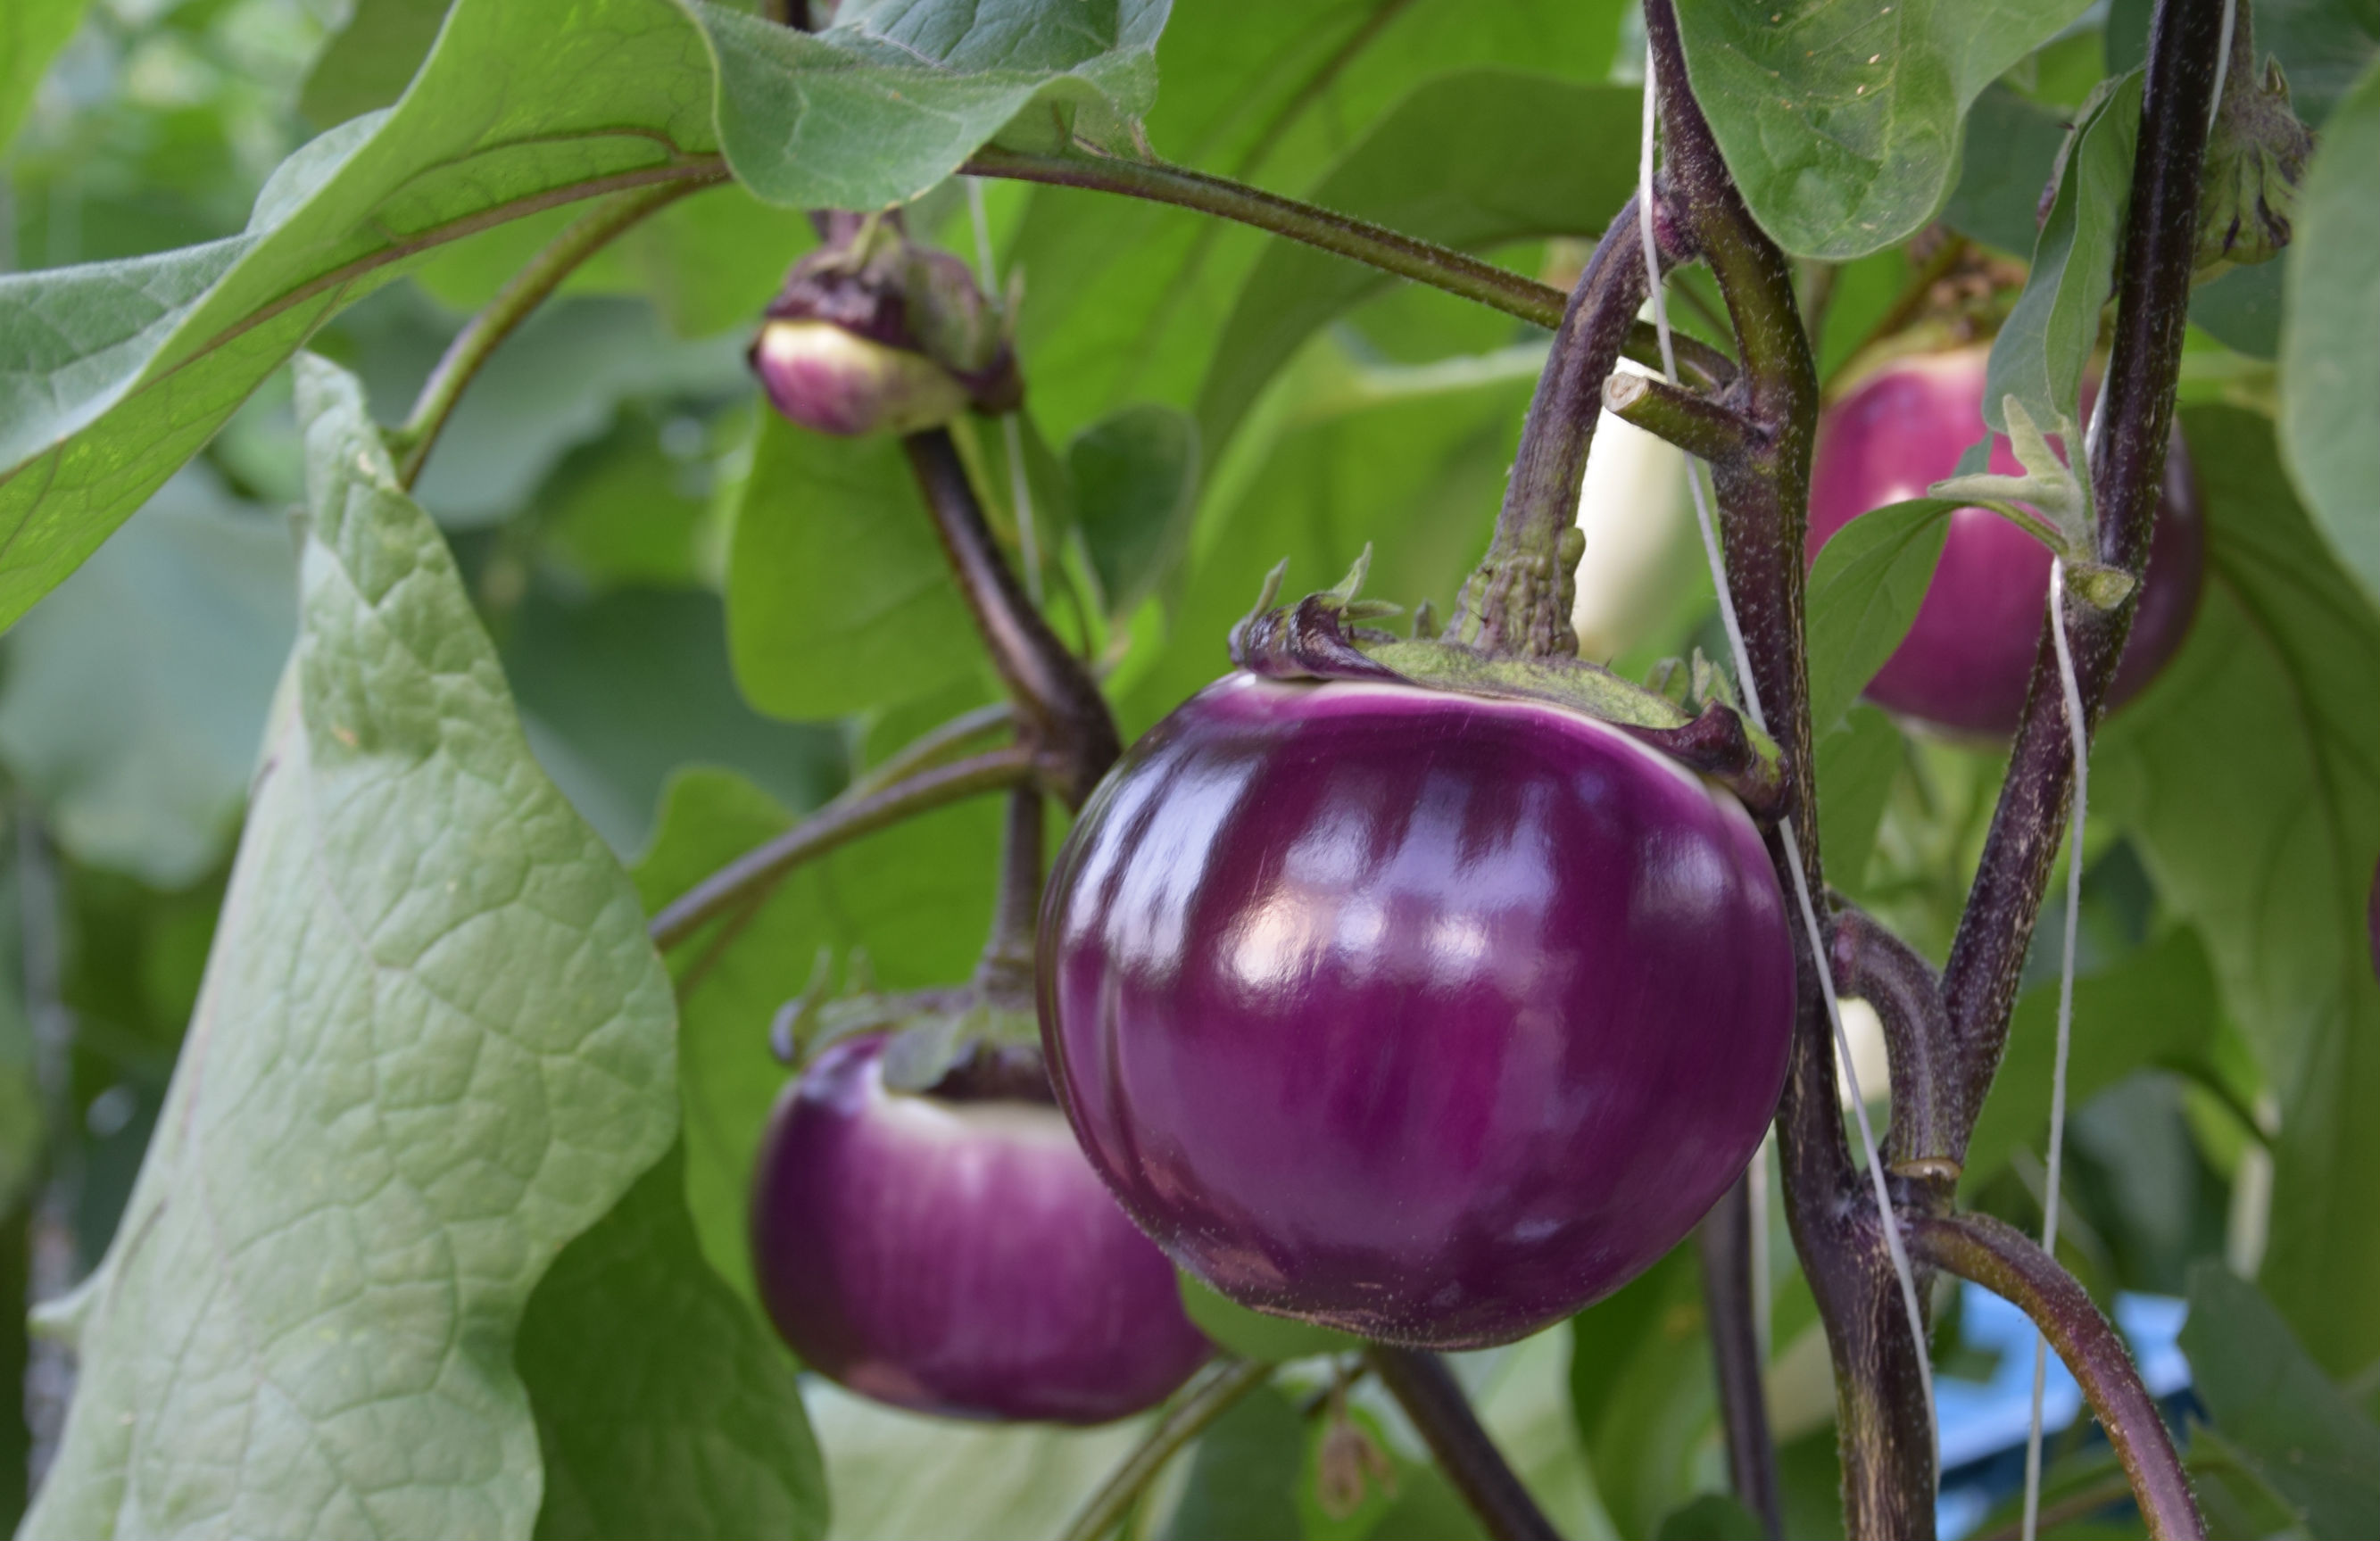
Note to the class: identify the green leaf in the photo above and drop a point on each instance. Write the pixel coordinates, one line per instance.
(1864, 589)
(838, 597)
(2040, 353)
(112, 375)
(887, 102)
(1411, 459)
(1463, 161)
(708, 262)
(663, 1407)
(558, 382)
(1254, 1335)
(2323, 44)
(1243, 1473)
(1135, 480)
(2249, 778)
(917, 897)
(1640, 1391)
(2330, 363)
(2242, 309)
(620, 691)
(432, 1047)
(369, 62)
(2302, 1438)
(1711, 1517)
(31, 32)
(1857, 763)
(899, 1474)
(2011, 148)
(137, 691)
(1125, 300)
(2158, 1007)
(1841, 119)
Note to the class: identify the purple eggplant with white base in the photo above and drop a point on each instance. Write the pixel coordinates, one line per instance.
(1422, 1015)
(956, 1255)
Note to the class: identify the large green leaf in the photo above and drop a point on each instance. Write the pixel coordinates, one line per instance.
(916, 896)
(2301, 1437)
(1841, 119)
(432, 1047)
(1464, 160)
(889, 99)
(136, 691)
(2040, 353)
(1864, 589)
(2158, 1007)
(32, 31)
(2330, 343)
(1857, 764)
(2249, 777)
(838, 596)
(112, 375)
(686, 1422)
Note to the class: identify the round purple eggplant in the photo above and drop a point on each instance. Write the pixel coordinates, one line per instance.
(958, 1257)
(1968, 656)
(1426, 1017)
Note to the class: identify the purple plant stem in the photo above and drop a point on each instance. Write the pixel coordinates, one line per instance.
(2007, 1262)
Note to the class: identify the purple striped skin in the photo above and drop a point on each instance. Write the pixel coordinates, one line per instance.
(957, 1258)
(1967, 657)
(1423, 1017)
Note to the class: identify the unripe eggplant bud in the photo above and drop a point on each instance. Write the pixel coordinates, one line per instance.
(871, 333)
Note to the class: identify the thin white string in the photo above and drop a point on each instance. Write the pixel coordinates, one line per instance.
(1890, 1225)
(2049, 1203)
(2222, 61)
(1020, 491)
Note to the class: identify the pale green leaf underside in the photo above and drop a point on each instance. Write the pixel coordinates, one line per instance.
(433, 1045)
(112, 375)
(1841, 119)
(2330, 337)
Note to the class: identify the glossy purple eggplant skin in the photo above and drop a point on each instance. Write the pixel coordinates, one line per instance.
(1424, 1016)
(957, 1258)
(1967, 658)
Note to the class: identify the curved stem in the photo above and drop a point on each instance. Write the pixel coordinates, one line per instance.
(1457, 273)
(933, 744)
(1883, 970)
(1724, 1240)
(1987, 959)
(1427, 1392)
(839, 823)
(512, 304)
(1222, 1385)
(1518, 600)
(1065, 718)
(2003, 1260)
